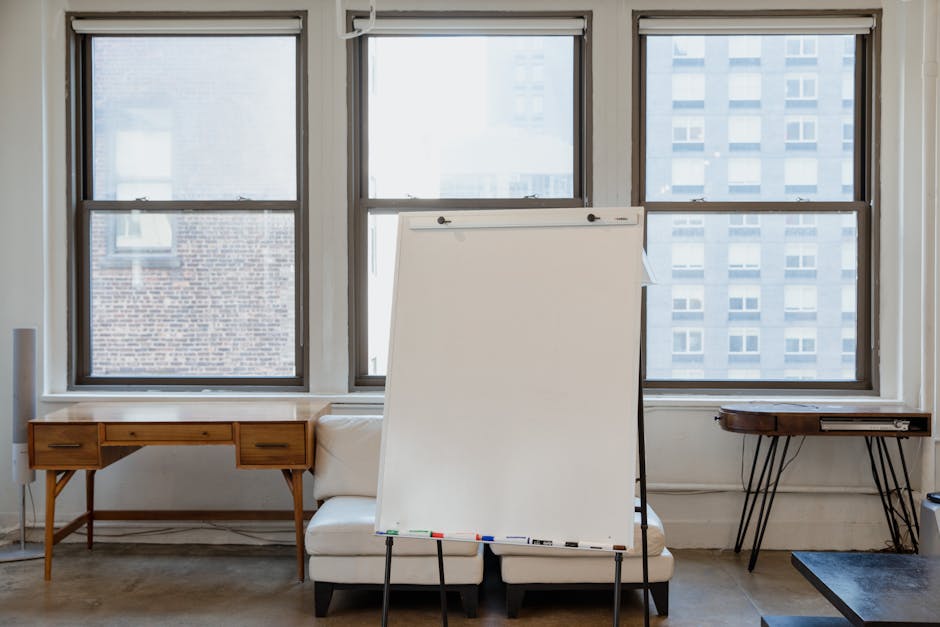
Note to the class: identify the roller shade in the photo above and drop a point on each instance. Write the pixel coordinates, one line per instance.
(799, 25)
(473, 26)
(188, 26)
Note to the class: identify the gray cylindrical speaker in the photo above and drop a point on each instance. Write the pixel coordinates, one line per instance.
(24, 400)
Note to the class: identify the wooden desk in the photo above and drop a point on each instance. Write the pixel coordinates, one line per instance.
(273, 435)
(776, 420)
(870, 589)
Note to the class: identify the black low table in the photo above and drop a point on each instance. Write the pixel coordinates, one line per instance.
(882, 589)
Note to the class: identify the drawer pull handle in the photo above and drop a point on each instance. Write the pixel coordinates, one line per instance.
(65, 445)
(271, 445)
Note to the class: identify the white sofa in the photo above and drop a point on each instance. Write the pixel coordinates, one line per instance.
(536, 568)
(344, 552)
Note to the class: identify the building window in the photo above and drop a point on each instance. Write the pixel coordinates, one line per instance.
(520, 139)
(744, 50)
(800, 132)
(189, 255)
(848, 341)
(744, 302)
(800, 90)
(744, 132)
(688, 302)
(801, 50)
(744, 176)
(744, 90)
(687, 341)
(800, 342)
(688, 133)
(688, 91)
(743, 260)
(743, 341)
(688, 51)
(773, 181)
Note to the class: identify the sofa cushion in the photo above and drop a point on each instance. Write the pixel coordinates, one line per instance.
(406, 569)
(347, 456)
(345, 525)
(527, 569)
(655, 535)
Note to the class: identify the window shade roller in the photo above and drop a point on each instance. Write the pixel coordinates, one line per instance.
(474, 26)
(188, 26)
(797, 25)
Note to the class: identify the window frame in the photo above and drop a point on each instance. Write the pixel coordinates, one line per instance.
(360, 204)
(865, 203)
(81, 205)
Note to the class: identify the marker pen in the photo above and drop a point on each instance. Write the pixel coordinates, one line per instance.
(595, 545)
(541, 542)
(572, 545)
(487, 538)
(388, 532)
(437, 534)
(420, 533)
(513, 539)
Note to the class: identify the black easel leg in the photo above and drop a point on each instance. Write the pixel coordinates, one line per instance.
(644, 523)
(388, 579)
(618, 562)
(742, 526)
(440, 569)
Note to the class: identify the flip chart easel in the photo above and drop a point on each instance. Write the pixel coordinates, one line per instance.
(514, 367)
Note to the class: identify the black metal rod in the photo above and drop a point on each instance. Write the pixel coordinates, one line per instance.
(885, 504)
(897, 488)
(910, 493)
(763, 525)
(618, 561)
(742, 527)
(641, 444)
(386, 589)
(440, 570)
(769, 456)
(896, 530)
(764, 487)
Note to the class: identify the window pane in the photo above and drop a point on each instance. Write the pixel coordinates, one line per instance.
(383, 234)
(194, 118)
(192, 294)
(494, 121)
(797, 90)
(777, 292)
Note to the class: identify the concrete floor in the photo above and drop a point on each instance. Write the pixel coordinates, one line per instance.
(152, 584)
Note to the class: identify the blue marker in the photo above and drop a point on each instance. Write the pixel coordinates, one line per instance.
(513, 539)
(488, 538)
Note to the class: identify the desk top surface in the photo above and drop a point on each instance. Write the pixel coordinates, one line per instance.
(190, 411)
(876, 588)
(886, 410)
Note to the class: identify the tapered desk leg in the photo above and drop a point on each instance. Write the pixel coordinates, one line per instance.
(50, 521)
(297, 488)
(90, 506)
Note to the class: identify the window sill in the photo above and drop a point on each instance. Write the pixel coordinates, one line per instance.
(352, 398)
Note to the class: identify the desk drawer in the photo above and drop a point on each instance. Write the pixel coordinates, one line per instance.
(60, 446)
(274, 445)
(181, 433)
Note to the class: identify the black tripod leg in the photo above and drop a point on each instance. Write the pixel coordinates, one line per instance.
(386, 589)
(440, 570)
(618, 561)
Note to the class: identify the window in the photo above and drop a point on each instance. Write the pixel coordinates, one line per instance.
(744, 50)
(744, 302)
(688, 91)
(800, 132)
(501, 124)
(688, 133)
(848, 341)
(777, 202)
(688, 301)
(801, 50)
(743, 132)
(799, 302)
(743, 341)
(687, 341)
(800, 341)
(744, 176)
(801, 90)
(688, 50)
(744, 90)
(743, 259)
(189, 250)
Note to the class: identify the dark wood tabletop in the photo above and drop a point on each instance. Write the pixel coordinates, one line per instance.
(795, 418)
(884, 589)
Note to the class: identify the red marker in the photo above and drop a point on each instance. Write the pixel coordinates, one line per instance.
(437, 534)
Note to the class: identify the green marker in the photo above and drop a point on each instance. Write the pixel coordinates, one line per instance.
(390, 532)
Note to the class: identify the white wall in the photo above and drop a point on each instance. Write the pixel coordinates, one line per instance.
(694, 468)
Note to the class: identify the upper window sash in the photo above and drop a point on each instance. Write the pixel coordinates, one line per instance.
(757, 25)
